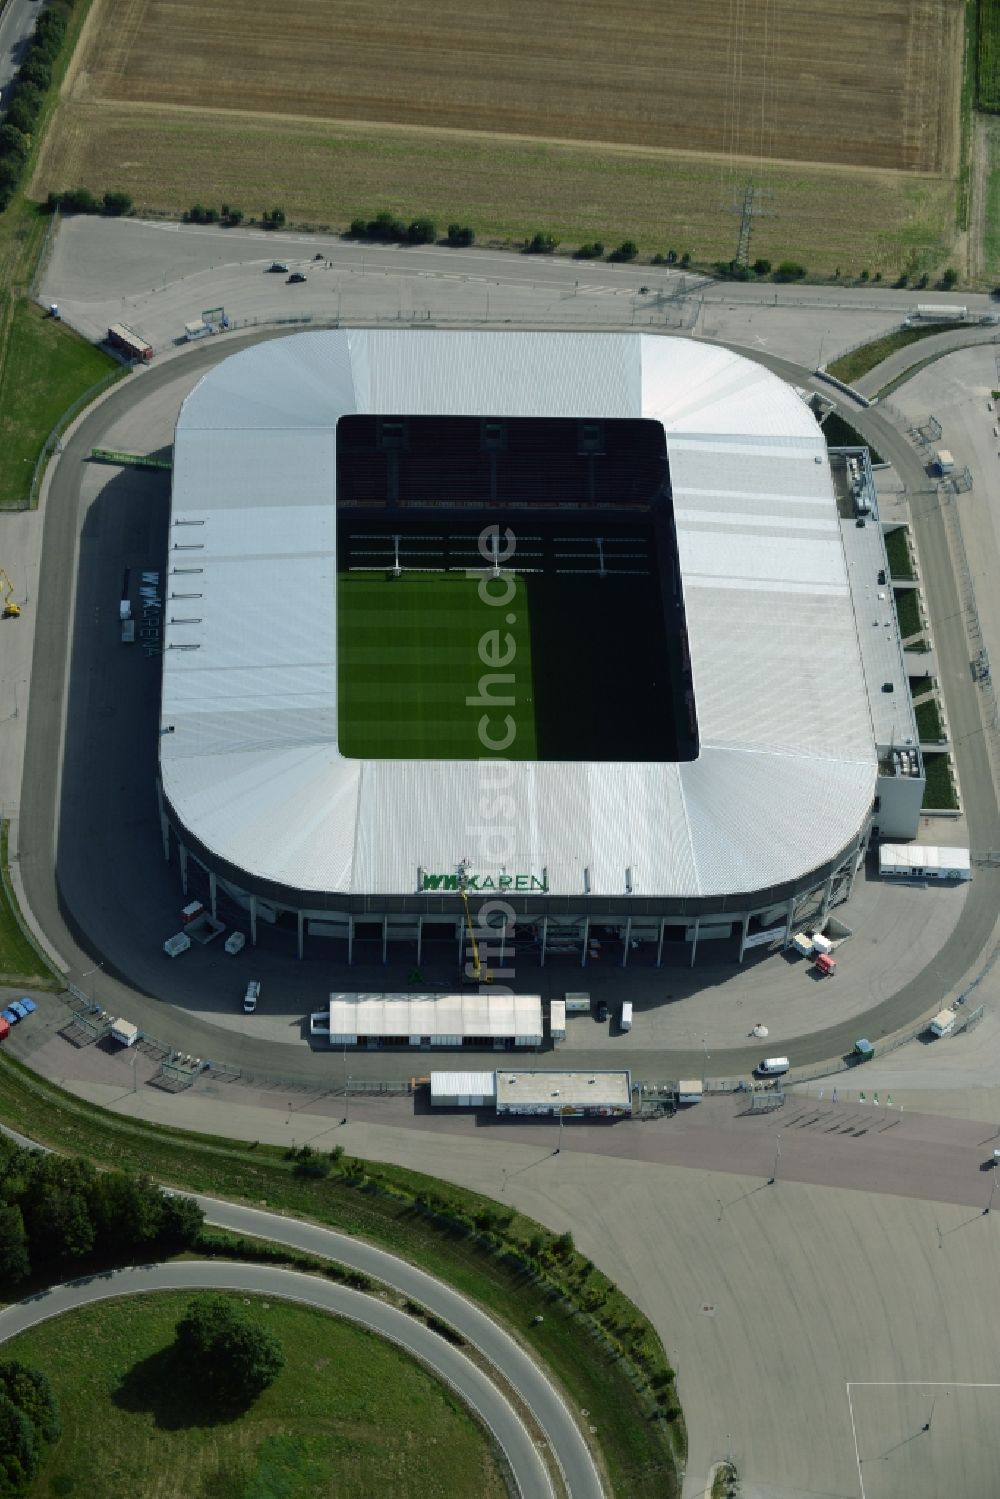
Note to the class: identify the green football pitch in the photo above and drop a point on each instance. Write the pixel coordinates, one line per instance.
(409, 658)
(590, 667)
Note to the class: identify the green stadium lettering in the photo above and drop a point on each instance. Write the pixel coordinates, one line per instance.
(525, 883)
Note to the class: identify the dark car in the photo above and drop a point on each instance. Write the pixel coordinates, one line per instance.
(602, 1012)
(297, 276)
(278, 265)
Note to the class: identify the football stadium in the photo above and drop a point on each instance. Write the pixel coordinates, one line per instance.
(580, 631)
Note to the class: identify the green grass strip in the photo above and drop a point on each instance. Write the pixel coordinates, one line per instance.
(850, 367)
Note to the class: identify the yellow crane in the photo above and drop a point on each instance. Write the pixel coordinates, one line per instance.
(480, 974)
(11, 610)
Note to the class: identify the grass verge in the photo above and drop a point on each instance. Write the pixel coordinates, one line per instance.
(349, 1415)
(19, 961)
(907, 611)
(598, 1345)
(929, 723)
(46, 369)
(840, 434)
(858, 362)
(991, 227)
(939, 793)
(898, 552)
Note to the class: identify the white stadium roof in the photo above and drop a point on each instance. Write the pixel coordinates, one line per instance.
(786, 771)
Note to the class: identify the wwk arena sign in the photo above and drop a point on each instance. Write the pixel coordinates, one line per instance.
(489, 884)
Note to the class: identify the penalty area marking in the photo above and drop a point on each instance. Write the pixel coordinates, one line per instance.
(904, 1384)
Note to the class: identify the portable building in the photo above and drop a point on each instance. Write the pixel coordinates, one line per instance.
(462, 1090)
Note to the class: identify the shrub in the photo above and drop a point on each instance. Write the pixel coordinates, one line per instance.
(541, 243)
(116, 204)
(421, 232)
(864, 275)
(385, 228)
(75, 200)
(199, 214)
(686, 259)
(592, 251)
(231, 216)
(763, 268)
(273, 218)
(789, 270)
(627, 250)
(358, 229)
(461, 236)
(949, 278)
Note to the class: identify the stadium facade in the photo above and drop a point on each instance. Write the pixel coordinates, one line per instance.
(761, 828)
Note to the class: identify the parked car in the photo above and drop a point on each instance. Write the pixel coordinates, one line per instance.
(27, 1005)
(235, 943)
(278, 265)
(10, 1015)
(251, 997)
(297, 276)
(19, 1009)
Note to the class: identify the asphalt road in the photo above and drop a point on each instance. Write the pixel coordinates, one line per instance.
(79, 886)
(447, 1362)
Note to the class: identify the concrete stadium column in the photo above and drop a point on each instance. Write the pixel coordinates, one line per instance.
(164, 824)
(628, 938)
(300, 921)
(545, 939)
(586, 943)
(213, 891)
(694, 944)
(825, 907)
(420, 938)
(790, 918)
(253, 920)
(743, 935)
(659, 945)
(350, 941)
(182, 854)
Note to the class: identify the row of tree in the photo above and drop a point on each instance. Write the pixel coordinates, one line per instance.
(31, 84)
(58, 1211)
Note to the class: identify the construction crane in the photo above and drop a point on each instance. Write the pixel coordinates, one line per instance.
(11, 610)
(479, 973)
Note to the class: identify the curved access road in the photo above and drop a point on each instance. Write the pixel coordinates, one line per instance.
(561, 1433)
(447, 1362)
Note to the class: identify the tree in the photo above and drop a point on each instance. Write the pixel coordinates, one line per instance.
(59, 1204)
(273, 218)
(181, 1222)
(460, 236)
(762, 267)
(129, 1211)
(37, 71)
(627, 250)
(116, 204)
(13, 144)
(590, 251)
(15, 1263)
(18, 1448)
(422, 232)
(949, 278)
(232, 1358)
(21, 116)
(541, 243)
(32, 1392)
(385, 227)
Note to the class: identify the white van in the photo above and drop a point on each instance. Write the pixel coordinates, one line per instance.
(251, 997)
(772, 1066)
(625, 1018)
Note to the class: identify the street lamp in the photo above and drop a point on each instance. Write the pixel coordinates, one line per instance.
(777, 1155)
(96, 969)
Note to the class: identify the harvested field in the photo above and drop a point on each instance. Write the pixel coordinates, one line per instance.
(853, 83)
(594, 119)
